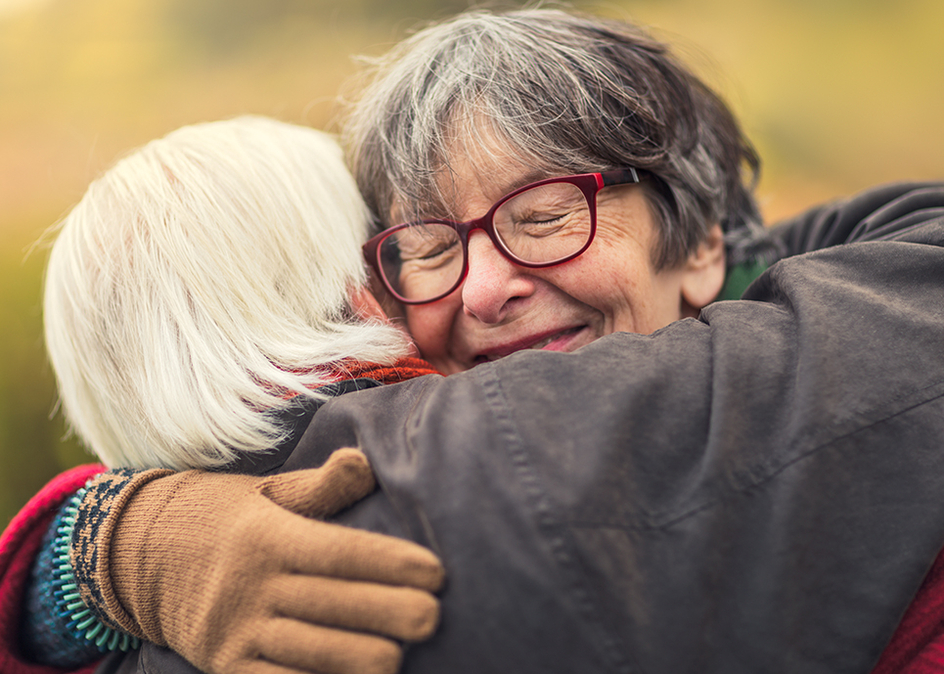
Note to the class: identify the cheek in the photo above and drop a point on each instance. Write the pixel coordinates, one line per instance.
(617, 278)
(430, 325)
(615, 272)
(425, 328)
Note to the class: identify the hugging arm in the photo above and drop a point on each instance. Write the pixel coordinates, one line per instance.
(758, 490)
(878, 213)
(20, 544)
(231, 572)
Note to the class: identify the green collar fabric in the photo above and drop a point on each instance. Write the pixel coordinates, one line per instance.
(739, 277)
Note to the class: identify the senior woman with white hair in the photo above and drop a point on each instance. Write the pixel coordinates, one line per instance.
(691, 500)
(205, 277)
(202, 299)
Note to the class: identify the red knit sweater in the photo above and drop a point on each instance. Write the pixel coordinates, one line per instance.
(19, 545)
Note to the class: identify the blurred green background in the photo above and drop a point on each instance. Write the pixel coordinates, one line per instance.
(837, 94)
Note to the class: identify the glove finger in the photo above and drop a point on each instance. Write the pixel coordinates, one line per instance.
(317, 548)
(402, 613)
(291, 643)
(344, 479)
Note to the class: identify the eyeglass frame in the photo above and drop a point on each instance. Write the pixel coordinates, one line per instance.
(589, 184)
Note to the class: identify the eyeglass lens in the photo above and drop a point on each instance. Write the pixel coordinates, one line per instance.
(541, 225)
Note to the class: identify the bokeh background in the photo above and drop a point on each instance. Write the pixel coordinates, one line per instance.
(837, 95)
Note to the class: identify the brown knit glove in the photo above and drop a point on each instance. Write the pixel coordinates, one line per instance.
(221, 569)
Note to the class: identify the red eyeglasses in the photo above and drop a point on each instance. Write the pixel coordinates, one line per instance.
(539, 225)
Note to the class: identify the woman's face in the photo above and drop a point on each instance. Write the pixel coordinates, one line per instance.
(501, 308)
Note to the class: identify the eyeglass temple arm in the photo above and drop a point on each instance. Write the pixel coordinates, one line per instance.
(619, 177)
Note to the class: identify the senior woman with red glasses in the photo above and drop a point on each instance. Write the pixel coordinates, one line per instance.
(465, 117)
(707, 498)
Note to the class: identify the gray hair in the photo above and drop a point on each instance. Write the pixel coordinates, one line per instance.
(568, 94)
(200, 284)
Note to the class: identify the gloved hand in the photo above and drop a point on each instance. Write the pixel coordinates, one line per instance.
(228, 570)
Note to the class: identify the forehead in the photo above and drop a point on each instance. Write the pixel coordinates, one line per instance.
(478, 167)
(474, 183)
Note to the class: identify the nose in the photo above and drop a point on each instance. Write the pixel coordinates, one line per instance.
(494, 284)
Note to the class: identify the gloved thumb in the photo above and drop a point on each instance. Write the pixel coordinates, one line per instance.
(344, 479)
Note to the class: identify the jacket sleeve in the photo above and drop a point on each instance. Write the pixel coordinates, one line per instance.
(757, 490)
(879, 213)
(20, 544)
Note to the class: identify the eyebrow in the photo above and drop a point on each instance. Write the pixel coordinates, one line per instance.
(528, 178)
(532, 176)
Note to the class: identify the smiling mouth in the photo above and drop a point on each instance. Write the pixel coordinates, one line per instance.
(536, 346)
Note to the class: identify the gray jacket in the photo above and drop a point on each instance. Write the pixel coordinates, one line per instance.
(758, 490)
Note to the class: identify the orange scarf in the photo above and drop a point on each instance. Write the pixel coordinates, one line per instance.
(402, 370)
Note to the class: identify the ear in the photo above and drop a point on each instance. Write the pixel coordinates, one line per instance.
(366, 306)
(703, 273)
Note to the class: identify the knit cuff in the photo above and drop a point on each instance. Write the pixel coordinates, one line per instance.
(96, 518)
(78, 625)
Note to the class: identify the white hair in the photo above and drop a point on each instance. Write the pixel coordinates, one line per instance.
(202, 283)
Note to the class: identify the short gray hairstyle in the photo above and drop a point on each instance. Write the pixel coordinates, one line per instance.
(202, 283)
(567, 93)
